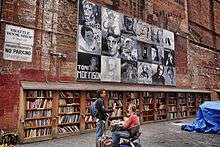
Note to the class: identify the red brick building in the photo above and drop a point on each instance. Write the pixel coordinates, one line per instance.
(196, 25)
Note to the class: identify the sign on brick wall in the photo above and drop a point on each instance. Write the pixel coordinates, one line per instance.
(113, 47)
(18, 43)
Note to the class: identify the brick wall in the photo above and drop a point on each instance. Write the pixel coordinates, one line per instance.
(54, 22)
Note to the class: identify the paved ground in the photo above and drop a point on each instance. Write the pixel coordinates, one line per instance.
(162, 134)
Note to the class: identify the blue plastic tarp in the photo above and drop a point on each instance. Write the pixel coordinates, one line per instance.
(207, 119)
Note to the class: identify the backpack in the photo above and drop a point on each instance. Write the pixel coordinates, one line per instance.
(93, 109)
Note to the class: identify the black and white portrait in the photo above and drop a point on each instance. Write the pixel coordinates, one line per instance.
(157, 54)
(158, 74)
(143, 31)
(144, 73)
(168, 39)
(89, 14)
(111, 21)
(111, 45)
(129, 47)
(144, 51)
(88, 66)
(110, 69)
(170, 78)
(156, 35)
(169, 57)
(129, 71)
(129, 25)
(89, 40)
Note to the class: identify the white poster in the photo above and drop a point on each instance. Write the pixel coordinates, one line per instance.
(110, 69)
(18, 43)
(168, 39)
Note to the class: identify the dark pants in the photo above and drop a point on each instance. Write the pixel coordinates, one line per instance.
(100, 126)
(117, 135)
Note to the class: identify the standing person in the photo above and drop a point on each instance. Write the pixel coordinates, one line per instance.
(128, 123)
(101, 116)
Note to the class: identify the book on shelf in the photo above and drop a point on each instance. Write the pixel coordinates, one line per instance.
(36, 113)
(38, 94)
(38, 132)
(39, 103)
(37, 122)
(68, 129)
(69, 109)
(69, 119)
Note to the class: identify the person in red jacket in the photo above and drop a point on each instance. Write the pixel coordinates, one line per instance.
(128, 123)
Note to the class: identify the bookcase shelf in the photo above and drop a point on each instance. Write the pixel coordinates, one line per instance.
(69, 112)
(49, 114)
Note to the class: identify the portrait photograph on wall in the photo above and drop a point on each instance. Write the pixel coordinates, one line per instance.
(144, 51)
(144, 73)
(110, 69)
(158, 74)
(88, 67)
(143, 31)
(129, 71)
(168, 39)
(123, 48)
(128, 47)
(111, 22)
(89, 40)
(89, 14)
(169, 57)
(170, 74)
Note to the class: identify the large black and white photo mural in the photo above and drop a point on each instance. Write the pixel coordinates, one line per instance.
(113, 47)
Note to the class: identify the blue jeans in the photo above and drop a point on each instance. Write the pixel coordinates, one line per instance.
(117, 135)
(100, 126)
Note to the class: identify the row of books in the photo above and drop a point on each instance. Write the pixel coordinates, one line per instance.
(90, 126)
(183, 108)
(112, 102)
(68, 94)
(161, 112)
(161, 106)
(173, 115)
(37, 132)
(37, 122)
(115, 95)
(68, 129)
(39, 93)
(135, 101)
(68, 101)
(117, 113)
(69, 119)
(35, 114)
(172, 108)
(39, 103)
(69, 109)
(89, 118)
(148, 100)
(172, 101)
(183, 114)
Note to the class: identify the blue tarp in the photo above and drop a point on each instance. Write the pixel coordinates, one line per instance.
(207, 119)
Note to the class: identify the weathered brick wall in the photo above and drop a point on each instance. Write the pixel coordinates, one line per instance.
(55, 25)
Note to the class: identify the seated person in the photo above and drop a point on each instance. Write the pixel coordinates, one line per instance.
(128, 123)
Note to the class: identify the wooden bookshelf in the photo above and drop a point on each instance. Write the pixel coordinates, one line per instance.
(160, 106)
(38, 113)
(115, 98)
(51, 114)
(69, 112)
(90, 122)
(148, 111)
(172, 105)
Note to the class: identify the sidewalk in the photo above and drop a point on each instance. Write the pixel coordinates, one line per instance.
(161, 134)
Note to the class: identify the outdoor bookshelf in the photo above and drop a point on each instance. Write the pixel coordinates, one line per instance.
(69, 112)
(148, 111)
(49, 114)
(90, 122)
(38, 114)
(115, 98)
(172, 105)
(160, 106)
